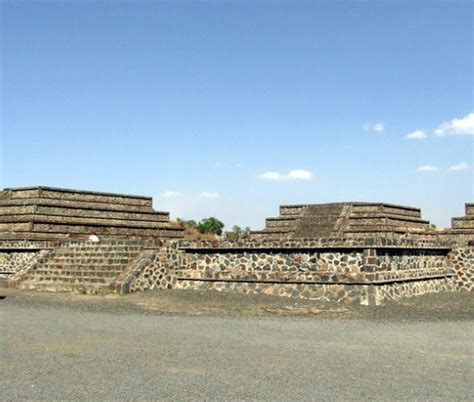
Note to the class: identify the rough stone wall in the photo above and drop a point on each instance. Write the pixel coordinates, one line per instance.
(154, 269)
(18, 254)
(463, 261)
(363, 270)
(358, 294)
(401, 290)
(366, 271)
(269, 265)
(11, 262)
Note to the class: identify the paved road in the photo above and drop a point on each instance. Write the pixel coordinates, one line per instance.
(51, 353)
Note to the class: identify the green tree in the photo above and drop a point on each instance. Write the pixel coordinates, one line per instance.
(210, 225)
(237, 233)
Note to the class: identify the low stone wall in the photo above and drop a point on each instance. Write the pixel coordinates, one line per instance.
(349, 270)
(401, 290)
(358, 294)
(366, 271)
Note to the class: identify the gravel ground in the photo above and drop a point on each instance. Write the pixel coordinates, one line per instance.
(233, 347)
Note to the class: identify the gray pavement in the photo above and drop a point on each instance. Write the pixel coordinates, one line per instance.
(49, 353)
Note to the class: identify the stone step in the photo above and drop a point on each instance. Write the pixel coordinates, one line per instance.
(292, 210)
(52, 202)
(83, 230)
(383, 229)
(88, 258)
(97, 250)
(281, 222)
(84, 221)
(387, 217)
(73, 212)
(274, 230)
(71, 274)
(57, 277)
(90, 288)
(83, 266)
(361, 208)
(463, 223)
(383, 215)
(38, 236)
(76, 195)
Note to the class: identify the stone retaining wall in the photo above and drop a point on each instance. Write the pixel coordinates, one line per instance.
(366, 271)
(352, 270)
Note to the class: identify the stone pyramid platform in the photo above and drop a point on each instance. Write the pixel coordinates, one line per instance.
(56, 213)
(344, 219)
(464, 223)
(462, 228)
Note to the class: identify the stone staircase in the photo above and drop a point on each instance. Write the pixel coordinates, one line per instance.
(84, 267)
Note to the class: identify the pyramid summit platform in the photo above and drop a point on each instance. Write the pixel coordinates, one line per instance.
(57, 213)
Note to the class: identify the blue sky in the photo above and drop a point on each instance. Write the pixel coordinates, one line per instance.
(233, 108)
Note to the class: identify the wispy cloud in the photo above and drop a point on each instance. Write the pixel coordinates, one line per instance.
(416, 135)
(427, 168)
(459, 167)
(297, 174)
(377, 127)
(209, 196)
(218, 164)
(463, 126)
(171, 194)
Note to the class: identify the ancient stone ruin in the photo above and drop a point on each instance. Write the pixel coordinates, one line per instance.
(350, 252)
(343, 219)
(462, 228)
(56, 213)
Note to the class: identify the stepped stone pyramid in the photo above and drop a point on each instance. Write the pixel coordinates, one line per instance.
(56, 213)
(465, 224)
(343, 219)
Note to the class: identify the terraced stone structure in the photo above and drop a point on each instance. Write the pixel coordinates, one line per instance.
(56, 213)
(342, 220)
(347, 252)
(462, 228)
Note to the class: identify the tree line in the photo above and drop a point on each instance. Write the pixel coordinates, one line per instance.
(213, 226)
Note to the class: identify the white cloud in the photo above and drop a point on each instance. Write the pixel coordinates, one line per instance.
(218, 164)
(459, 167)
(209, 196)
(271, 176)
(172, 194)
(377, 127)
(297, 174)
(300, 174)
(427, 168)
(416, 135)
(464, 126)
